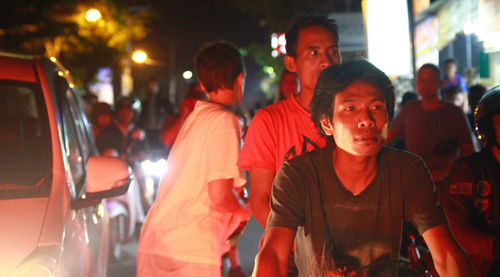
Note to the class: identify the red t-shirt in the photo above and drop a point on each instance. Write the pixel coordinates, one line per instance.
(278, 133)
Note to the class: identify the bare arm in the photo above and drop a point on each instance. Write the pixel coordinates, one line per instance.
(224, 198)
(272, 259)
(449, 258)
(261, 182)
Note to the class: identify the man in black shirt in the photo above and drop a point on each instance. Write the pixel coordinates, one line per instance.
(345, 204)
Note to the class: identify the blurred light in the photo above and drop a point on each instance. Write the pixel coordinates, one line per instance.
(187, 74)
(275, 53)
(71, 85)
(53, 59)
(92, 15)
(157, 168)
(60, 73)
(388, 36)
(283, 49)
(268, 69)
(282, 39)
(274, 40)
(492, 41)
(139, 56)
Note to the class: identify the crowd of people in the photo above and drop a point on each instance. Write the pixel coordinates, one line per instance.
(337, 170)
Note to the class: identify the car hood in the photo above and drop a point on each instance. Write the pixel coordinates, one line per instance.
(21, 222)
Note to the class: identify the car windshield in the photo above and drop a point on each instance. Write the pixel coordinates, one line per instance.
(24, 138)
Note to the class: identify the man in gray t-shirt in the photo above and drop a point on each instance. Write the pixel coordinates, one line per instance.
(434, 129)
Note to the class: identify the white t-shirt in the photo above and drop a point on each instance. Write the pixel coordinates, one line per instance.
(181, 223)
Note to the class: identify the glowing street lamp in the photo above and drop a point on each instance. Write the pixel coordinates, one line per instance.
(139, 56)
(187, 74)
(93, 15)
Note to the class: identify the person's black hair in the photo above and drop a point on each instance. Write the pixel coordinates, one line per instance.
(450, 92)
(431, 66)
(292, 34)
(475, 93)
(449, 60)
(218, 64)
(408, 97)
(336, 78)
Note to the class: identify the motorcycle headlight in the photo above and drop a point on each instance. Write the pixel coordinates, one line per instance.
(157, 168)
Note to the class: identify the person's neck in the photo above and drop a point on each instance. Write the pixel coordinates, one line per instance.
(304, 97)
(354, 172)
(223, 97)
(431, 104)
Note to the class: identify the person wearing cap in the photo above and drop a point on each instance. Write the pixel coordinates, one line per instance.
(472, 197)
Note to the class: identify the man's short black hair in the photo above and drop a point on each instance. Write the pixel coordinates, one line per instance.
(218, 64)
(449, 60)
(318, 20)
(431, 66)
(336, 78)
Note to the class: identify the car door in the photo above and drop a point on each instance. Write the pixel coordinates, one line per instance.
(88, 224)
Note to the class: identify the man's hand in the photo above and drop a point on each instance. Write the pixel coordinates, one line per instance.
(272, 259)
(224, 198)
(449, 258)
(261, 182)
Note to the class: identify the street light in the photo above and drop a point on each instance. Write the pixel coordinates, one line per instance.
(139, 56)
(93, 15)
(187, 74)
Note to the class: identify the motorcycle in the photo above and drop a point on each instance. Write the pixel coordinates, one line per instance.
(127, 211)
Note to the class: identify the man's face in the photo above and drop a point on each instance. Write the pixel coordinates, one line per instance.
(359, 123)
(450, 69)
(317, 49)
(428, 83)
(125, 115)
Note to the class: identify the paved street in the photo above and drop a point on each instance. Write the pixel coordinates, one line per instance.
(247, 248)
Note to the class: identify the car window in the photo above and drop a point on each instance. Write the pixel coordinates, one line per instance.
(25, 147)
(72, 144)
(80, 123)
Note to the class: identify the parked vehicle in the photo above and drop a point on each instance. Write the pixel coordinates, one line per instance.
(53, 215)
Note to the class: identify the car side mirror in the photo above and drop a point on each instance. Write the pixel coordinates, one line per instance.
(106, 177)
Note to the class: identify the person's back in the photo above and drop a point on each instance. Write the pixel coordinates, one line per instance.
(196, 209)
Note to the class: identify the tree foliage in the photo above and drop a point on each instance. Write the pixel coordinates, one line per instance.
(59, 29)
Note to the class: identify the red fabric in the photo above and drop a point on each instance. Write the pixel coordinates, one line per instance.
(277, 133)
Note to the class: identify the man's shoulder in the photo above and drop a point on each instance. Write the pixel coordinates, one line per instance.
(278, 107)
(309, 159)
(395, 156)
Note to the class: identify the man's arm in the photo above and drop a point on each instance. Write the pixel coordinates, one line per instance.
(272, 259)
(449, 258)
(224, 198)
(261, 182)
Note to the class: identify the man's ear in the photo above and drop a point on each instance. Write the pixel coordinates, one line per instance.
(203, 87)
(238, 82)
(327, 125)
(289, 62)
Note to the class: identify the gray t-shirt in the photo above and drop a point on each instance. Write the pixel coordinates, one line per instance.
(364, 230)
(433, 135)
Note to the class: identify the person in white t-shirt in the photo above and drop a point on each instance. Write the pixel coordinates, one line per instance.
(197, 207)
